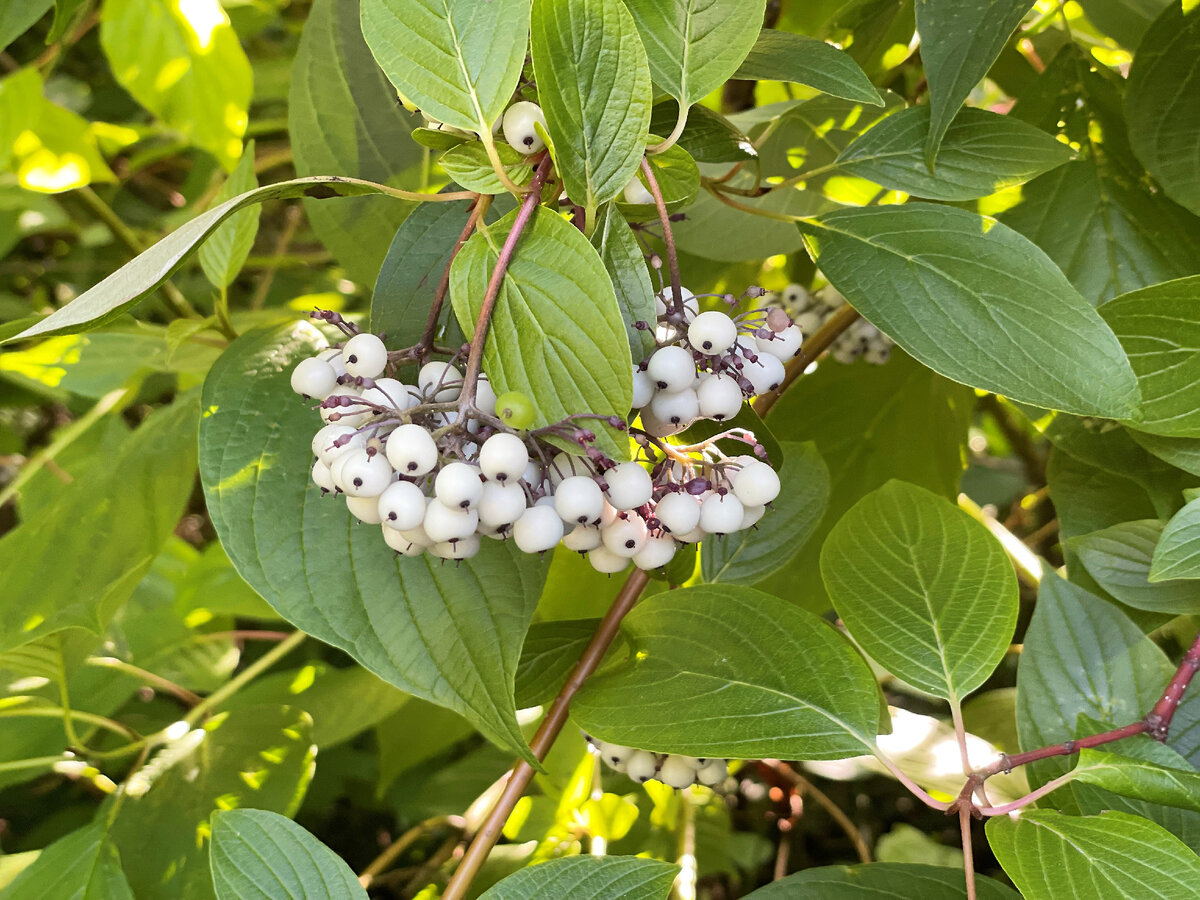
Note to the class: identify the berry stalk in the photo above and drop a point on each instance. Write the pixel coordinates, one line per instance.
(668, 238)
(425, 344)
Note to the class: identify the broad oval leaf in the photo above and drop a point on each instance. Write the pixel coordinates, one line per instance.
(1112, 856)
(469, 166)
(458, 60)
(1175, 785)
(343, 117)
(881, 881)
(785, 56)
(749, 556)
(695, 45)
(550, 652)
(134, 280)
(960, 39)
(1082, 657)
(708, 136)
(924, 588)
(556, 332)
(982, 153)
(618, 247)
(449, 634)
(1183, 453)
(598, 113)
(1177, 553)
(260, 855)
(976, 302)
(1159, 327)
(1120, 559)
(678, 178)
(588, 878)
(224, 253)
(1164, 120)
(81, 866)
(721, 670)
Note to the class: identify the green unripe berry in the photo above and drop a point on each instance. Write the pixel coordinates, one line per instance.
(514, 409)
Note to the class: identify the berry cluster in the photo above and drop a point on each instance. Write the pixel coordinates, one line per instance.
(516, 125)
(861, 339)
(674, 771)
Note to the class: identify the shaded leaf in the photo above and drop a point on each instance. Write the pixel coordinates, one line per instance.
(81, 866)
(1177, 785)
(708, 136)
(1119, 558)
(784, 56)
(881, 881)
(1177, 553)
(589, 878)
(550, 652)
(17, 18)
(224, 253)
(622, 256)
(469, 166)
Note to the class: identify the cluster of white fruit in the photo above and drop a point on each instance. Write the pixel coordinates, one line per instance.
(861, 339)
(672, 770)
(706, 364)
(516, 125)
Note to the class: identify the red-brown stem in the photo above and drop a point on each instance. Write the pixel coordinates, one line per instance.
(809, 351)
(964, 823)
(478, 208)
(1158, 722)
(524, 214)
(546, 734)
(668, 237)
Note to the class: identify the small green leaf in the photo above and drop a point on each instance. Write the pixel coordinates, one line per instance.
(695, 45)
(343, 117)
(1159, 327)
(722, 670)
(469, 166)
(1183, 453)
(708, 136)
(588, 878)
(1113, 856)
(17, 18)
(1169, 785)
(1124, 20)
(977, 302)
(982, 153)
(1177, 553)
(224, 253)
(81, 866)
(678, 178)
(960, 39)
(261, 756)
(261, 855)
(132, 282)
(551, 650)
(197, 80)
(749, 556)
(598, 114)
(451, 634)
(1120, 558)
(881, 881)
(458, 60)
(924, 588)
(556, 334)
(784, 56)
(1164, 121)
(614, 240)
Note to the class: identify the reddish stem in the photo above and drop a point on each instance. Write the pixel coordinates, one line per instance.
(1158, 721)
(425, 344)
(668, 237)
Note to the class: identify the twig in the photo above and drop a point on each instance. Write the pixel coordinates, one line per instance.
(108, 662)
(684, 887)
(1032, 458)
(393, 850)
(478, 210)
(546, 734)
(291, 222)
(806, 787)
(668, 237)
(244, 677)
(813, 347)
(964, 823)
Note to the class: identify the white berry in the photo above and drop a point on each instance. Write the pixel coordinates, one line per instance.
(721, 514)
(361, 474)
(412, 450)
(606, 562)
(458, 486)
(756, 484)
(625, 537)
(440, 382)
(714, 772)
(641, 766)
(656, 553)
(501, 505)
(322, 477)
(765, 374)
(712, 332)
(671, 368)
(518, 127)
(784, 344)
(401, 505)
(579, 500)
(564, 465)
(719, 397)
(325, 445)
(675, 772)
(503, 457)
(678, 512)
(364, 356)
(691, 306)
(636, 192)
(314, 378)
(365, 509)
(462, 548)
(643, 389)
(675, 407)
(538, 529)
(443, 523)
(402, 542)
(582, 538)
(629, 485)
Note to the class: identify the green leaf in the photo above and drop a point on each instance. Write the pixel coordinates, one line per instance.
(261, 757)
(589, 878)
(550, 652)
(708, 136)
(1177, 553)
(260, 855)
(136, 499)
(714, 231)
(1082, 656)
(81, 866)
(881, 881)
(1177, 785)
(451, 635)
(458, 60)
(926, 590)
(1119, 558)
(1183, 453)
(678, 178)
(614, 240)
(721, 670)
(556, 334)
(695, 45)
(1124, 20)
(1164, 122)
(225, 252)
(66, 14)
(18, 17)
(598, 114)
(1107, 233)
(186, 67)
(343, 117)
(982, 153)
(960, 39)
(784, 56)
(1159, 327)
(1113, 856)
(412, 271)
(750, 556)
(132, 282)
(468, 164)
(977, 302)
(861, 417)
